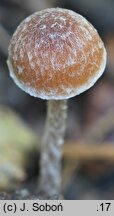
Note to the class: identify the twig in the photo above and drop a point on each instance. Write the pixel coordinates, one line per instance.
(83, 151)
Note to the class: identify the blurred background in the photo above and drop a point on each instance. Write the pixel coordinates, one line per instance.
(88, 155)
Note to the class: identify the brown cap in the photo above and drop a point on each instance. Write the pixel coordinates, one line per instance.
(56, 54)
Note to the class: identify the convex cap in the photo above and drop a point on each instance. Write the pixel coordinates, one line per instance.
(56, 54)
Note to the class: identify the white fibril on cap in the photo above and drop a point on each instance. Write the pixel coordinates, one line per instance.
(56, 54)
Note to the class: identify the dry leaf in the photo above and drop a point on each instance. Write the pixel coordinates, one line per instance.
(17, 140)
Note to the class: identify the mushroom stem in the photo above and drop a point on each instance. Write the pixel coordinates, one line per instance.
(53, 139)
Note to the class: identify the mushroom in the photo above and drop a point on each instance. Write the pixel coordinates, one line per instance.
(55, 54)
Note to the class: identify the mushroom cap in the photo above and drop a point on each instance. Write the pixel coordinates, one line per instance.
(56, 54)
